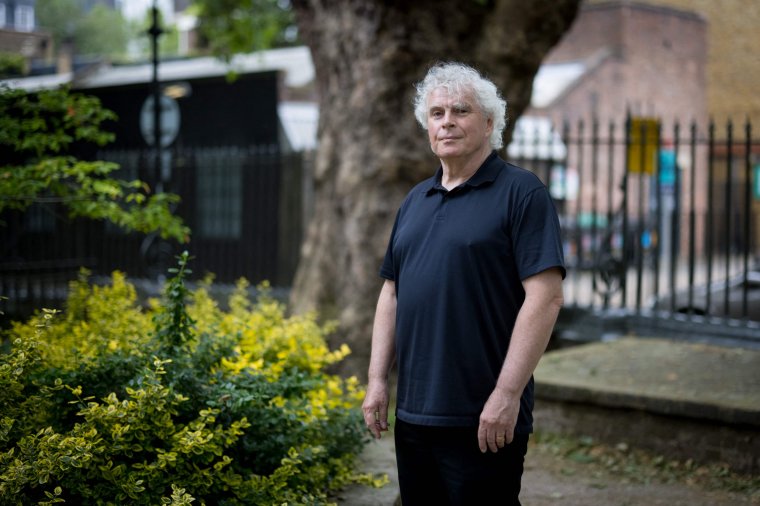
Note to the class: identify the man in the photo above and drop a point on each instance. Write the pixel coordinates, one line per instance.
(473, 285)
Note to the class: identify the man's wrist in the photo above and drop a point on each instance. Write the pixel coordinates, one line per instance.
(377, 378)
(507, 391)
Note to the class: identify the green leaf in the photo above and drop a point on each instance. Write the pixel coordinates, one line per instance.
(37, 129)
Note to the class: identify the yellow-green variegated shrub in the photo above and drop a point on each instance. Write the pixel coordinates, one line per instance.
(181, 403)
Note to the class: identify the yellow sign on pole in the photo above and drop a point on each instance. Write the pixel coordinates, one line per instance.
(642, 148)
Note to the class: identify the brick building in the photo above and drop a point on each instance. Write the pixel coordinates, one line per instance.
(733, 68)
(621, 57)
(653, 62)
(19, 34)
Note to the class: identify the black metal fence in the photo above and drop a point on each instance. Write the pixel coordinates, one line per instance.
(660, 221)
(245, 206)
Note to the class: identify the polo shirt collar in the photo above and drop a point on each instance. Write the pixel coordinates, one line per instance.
(485, 174)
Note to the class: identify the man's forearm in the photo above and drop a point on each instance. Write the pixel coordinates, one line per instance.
(383, 334)
(532, 331)
(375, 406)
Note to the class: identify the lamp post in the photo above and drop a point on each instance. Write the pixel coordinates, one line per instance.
(155, 32)
(153, 249)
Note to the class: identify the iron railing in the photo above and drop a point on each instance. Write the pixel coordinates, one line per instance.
(245, 207)
(658, 220)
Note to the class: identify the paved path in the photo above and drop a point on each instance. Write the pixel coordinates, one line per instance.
(379, 457)
(671, 378)
(550, 480)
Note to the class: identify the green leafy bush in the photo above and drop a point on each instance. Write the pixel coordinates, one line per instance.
(179, 403)
(38, 130)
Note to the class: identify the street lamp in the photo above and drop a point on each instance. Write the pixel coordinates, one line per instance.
(155, 32)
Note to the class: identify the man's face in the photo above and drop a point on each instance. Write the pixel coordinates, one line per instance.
(457, 128)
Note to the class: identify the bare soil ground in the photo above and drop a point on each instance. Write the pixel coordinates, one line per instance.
(573, 472)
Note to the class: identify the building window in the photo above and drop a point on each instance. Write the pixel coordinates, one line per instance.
(24, 18)
(3, 18)
(219, 182)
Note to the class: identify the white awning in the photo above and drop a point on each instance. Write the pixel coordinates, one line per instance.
(299, 123)
(552, 80)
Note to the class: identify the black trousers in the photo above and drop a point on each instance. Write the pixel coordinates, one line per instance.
(443, 466)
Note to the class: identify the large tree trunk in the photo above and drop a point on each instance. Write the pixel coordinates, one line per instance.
(367, 56)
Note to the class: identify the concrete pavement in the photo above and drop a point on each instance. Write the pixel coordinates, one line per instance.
(686, 400)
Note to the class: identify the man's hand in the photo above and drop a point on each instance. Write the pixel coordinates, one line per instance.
(375, 407)
(497, 421)
(530, 335)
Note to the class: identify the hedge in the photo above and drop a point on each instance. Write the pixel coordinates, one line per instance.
(177, 403)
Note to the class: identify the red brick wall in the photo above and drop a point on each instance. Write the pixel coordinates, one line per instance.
(733, 67)
(654, 63)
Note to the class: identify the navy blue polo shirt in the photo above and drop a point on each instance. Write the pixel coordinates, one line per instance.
(457, 258)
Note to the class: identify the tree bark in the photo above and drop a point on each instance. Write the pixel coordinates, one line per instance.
(367, 57)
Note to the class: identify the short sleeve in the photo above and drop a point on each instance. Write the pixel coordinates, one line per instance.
(387, 269)
(536, 235)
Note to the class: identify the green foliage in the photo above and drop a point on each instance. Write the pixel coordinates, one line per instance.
(174, 325)
(59, 17)
(36, 131)
(11, 64)
(168, 41)
(23, 403)
(176, 403)
(100, 31)
(241, 26)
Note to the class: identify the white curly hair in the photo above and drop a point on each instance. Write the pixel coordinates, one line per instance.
(458, 78)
